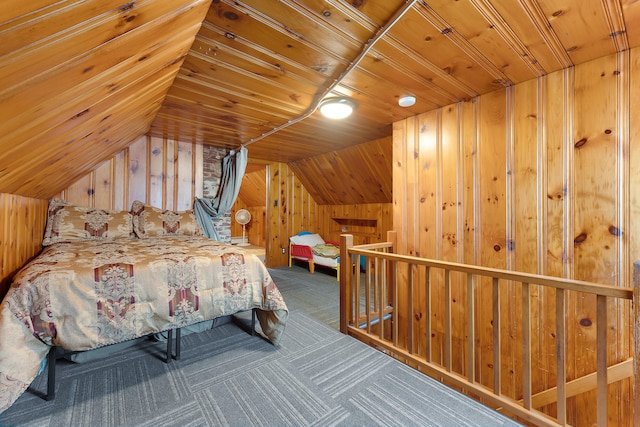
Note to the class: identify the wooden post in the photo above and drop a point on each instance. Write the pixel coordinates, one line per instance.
(392, 237)
(392, 286)
(346, 274)
(636, 341)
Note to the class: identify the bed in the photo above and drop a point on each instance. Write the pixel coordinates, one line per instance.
(106, 277)
(313, 249)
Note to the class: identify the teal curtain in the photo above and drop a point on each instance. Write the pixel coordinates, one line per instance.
(233, 166)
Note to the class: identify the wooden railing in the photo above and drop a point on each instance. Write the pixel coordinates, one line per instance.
(377, 307)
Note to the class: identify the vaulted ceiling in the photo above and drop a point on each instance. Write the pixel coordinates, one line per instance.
(80, 80)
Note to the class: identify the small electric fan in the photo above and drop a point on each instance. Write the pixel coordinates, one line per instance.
(243, 217)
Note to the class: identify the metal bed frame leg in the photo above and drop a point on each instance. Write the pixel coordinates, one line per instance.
(177, 344)
(169, 345)
(51, 374)
(52, 356)
(253, 322)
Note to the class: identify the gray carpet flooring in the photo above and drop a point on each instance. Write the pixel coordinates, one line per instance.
(226, 377)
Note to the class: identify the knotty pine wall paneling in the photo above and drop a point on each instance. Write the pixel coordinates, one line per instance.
(541, 177)
(367, 222)
(422, 181)
(252, 197)
(163, 173)
(22, 223)
(290, 209)
(255, 230)
(449, 225)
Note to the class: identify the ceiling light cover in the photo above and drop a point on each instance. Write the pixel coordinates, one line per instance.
(407, 101)
(336, 108)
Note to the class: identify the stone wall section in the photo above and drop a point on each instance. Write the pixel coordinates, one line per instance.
(212, 172)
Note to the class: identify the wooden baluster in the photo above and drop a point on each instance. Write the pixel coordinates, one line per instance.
(393, 280)
(356, 290)
(496, 336)
(601, 359)
(410, 317)
(391, 275)
(427, 318)
(370, 277)
(526, 346)
(367, 296)
(471, 329)
(561, 375)
(447, 319)
(380, 280)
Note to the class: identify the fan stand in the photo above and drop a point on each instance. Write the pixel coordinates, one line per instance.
(243, 243)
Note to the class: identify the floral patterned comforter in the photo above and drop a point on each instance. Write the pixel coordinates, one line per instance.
(89, 294)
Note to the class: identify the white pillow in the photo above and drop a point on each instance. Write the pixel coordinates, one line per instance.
(307, 240)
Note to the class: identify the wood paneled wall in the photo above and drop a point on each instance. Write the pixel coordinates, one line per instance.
(22, 222)
(252, 197)
(256, 230)
(291, 209)
(163, 173)
(542, 177)
(368, 223)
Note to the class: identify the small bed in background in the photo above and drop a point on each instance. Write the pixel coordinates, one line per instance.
(106, 277)
(313, 249)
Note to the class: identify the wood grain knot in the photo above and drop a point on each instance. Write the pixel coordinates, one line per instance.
(497, 248)
(585, 322)
(82, 113)
(581, 143)
(127, 7)
(615, 231)
(231, 16)
(580, 238)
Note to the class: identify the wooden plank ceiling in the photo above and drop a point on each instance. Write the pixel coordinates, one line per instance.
(82, 79)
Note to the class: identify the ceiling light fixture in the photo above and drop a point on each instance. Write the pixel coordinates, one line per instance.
(406, 101)
(336, 108)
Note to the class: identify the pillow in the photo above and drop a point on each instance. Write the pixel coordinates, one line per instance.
(149, 221)
(68, 222)
(307, 239)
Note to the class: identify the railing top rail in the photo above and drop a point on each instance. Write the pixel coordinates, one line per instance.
(370, 246)
(558, 283)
